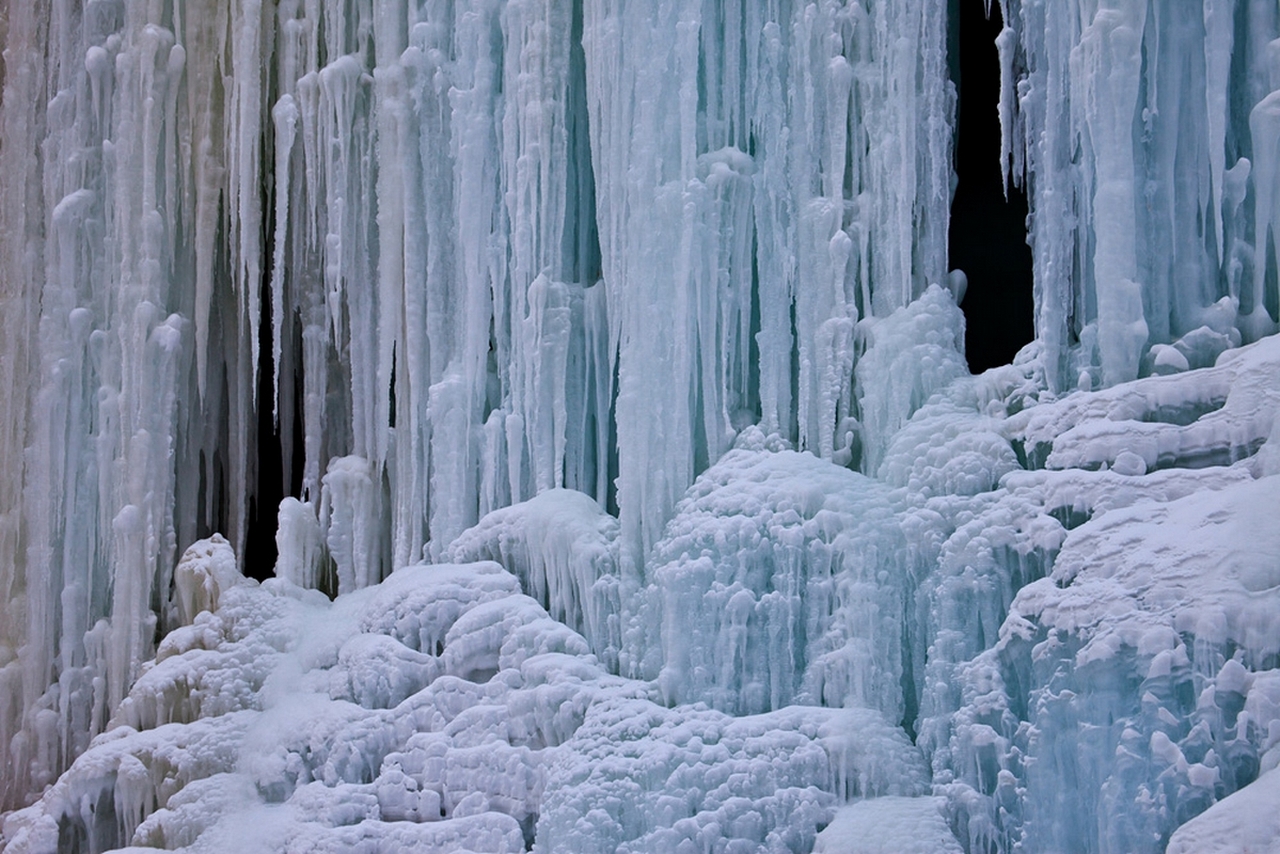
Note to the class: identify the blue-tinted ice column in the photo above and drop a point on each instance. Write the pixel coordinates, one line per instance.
(659, 197)
(426, 195)
(797, 126)
(112, 435)
(1145, 136)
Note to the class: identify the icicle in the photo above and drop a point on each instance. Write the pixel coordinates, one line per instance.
(1219, 26)
(300, 544)
(352, 519)
(285, 117)
(1136, 237)
(1264, 129)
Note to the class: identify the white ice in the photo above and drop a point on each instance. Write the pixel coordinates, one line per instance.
(639, 495)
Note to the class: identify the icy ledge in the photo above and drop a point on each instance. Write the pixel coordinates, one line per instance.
(1113, 619)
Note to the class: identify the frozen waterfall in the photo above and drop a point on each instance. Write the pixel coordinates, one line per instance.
(637, 495)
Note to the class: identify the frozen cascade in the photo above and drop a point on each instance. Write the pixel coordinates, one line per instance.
(778, 580)
(642, 499)
(1147, 140)
(467, 233)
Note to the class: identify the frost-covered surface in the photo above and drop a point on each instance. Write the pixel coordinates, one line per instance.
(889, 826)
(1148, 138)
(564, 550)
(642, 301)
(780, 577)
(1129, 619)
(1248, 822)
(440, 710)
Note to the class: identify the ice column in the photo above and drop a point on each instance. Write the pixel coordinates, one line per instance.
(808, 116)
(1143, 134)
(105, 407)
(421, 217)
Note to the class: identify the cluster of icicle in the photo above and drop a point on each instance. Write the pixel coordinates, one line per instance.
(498, 247)
(501, 247)
(1149, 138)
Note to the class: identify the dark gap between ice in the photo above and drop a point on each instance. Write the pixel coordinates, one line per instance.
(988, 235)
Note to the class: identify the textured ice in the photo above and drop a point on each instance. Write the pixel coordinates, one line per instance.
(1018, 593)
(1144, 618)
(780, 577)
(461, 254)
(442, 709)
(205, 570)
(1140, 131)
(892, 825)
(564, 549)
(638, 494)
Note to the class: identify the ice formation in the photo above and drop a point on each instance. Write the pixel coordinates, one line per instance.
(1147, 137)
(639, 497)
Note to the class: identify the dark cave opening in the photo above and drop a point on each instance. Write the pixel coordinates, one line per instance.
(988, 234)
(260, 550)
(269, 478)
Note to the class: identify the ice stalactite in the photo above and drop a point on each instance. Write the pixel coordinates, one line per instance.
(1139, 131)
(519, 341)
(22, 121)
(496, 248)
(802, 189)
(104, 233)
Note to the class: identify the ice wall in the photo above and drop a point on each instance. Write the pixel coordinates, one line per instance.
(114, 455)
(1145, 133)
(1101, 626)
(479, 250)
(680, 257)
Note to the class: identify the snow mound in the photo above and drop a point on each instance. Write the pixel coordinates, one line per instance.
(564, 550)
(643, 778)
(1247, 822)
(889, 826)
(441, 709)
(780, 578)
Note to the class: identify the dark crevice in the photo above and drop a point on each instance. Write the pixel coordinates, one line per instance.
(391, 390)
(1070, 516)
(1184, 412)
(907, 680)
(266, 469)
(752, 402)
(268, 482)
(988, 234)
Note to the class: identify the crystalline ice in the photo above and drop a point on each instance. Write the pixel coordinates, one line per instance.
(1122, 118)
(780, 576)
(637, 495)
(508, 728)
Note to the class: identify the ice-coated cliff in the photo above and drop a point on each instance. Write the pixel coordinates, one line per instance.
(638, 494)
